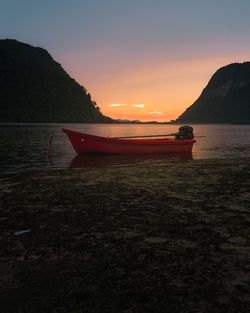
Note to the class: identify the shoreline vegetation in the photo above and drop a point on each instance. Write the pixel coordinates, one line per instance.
(169, 236)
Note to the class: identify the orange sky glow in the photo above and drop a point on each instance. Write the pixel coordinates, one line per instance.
(140, 59)
(156, 91)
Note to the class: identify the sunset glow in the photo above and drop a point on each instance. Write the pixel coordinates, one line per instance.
(146, 60)
(163, 90)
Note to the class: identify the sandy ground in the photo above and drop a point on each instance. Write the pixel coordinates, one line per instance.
(153, 237)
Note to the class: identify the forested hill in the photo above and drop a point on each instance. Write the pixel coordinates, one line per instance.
(226, 98)
(35, 88)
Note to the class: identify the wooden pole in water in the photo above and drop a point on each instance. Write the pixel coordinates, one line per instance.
(49, 147)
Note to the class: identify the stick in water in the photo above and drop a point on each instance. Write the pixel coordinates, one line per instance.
(49, 147)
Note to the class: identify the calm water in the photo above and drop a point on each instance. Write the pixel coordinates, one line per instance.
(24, 147)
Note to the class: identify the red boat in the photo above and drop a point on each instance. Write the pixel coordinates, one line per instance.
(91, 144)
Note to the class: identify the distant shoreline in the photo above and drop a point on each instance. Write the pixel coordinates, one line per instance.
(124, 123)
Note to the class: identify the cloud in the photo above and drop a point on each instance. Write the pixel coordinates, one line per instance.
(156, 113)
(117, 105)
(140, 106)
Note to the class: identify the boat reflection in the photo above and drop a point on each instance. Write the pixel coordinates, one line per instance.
(80, 161)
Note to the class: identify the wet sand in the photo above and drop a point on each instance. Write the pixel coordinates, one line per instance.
(153, 237)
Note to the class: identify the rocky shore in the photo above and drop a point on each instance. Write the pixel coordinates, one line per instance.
(169, 236)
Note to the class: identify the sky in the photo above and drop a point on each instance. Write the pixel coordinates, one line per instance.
(139, 59)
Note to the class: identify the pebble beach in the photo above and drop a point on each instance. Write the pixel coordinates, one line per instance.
(170, 236)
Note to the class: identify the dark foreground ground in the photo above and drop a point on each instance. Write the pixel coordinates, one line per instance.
(164, 237)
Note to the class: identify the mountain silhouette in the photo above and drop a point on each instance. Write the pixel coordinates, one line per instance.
(225, 99)
(35, 88)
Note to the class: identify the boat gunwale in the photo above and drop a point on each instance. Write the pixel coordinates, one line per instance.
(137, 141)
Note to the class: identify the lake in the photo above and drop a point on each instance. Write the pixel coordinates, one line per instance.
(24, 146)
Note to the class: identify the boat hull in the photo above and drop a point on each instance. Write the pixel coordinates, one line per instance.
(91, 144)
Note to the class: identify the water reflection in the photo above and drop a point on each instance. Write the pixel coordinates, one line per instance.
(24, 147)
(80, 161)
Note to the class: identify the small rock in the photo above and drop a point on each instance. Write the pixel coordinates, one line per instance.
(22, 232)
(155, 240)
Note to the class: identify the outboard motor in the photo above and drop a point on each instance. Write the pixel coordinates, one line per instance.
(185, 133)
